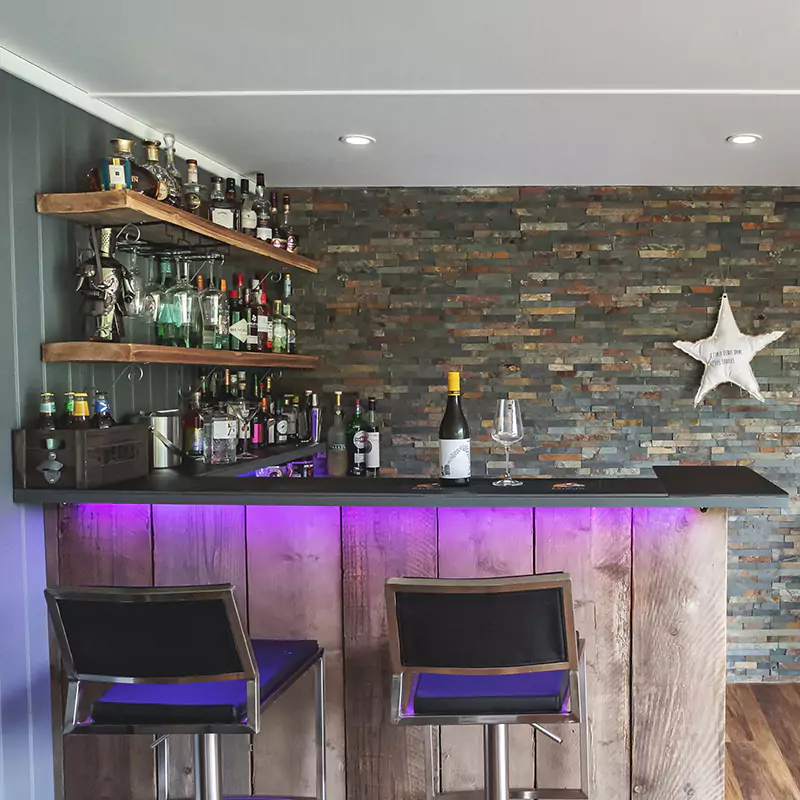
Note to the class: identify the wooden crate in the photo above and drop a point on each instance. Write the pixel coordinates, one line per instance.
(88, 458)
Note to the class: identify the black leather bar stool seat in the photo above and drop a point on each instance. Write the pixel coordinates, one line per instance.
(465, 695)
(211, 703)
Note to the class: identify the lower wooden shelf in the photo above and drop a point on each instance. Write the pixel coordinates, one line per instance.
(115, 352)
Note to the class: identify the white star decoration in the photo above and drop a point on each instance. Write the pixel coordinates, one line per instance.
(727, 354)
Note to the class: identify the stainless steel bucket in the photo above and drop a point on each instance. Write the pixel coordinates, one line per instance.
(167, 440)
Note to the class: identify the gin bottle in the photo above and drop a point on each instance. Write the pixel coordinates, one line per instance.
(280, 341)
(220, 434)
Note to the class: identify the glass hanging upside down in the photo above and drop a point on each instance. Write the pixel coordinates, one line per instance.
(507, 430)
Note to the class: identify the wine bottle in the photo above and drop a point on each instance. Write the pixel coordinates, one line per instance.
(454, 441)
(357, 444)
(373, 458)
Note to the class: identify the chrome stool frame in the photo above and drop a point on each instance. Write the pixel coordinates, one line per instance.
(206, 741)
(495, 726)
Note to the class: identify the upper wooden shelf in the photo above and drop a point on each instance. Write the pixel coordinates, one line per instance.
(117, 352)
(123, 206)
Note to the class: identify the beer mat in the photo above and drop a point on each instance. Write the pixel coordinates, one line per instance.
(426, 487)
(568, 486)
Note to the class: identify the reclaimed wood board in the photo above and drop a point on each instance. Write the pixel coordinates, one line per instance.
(383, 761)
(594, 546)
(196, 546)
(678, 645)
(106, 545)
(484, 543)
(295, 592)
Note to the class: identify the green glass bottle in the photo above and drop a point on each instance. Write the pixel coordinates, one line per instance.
(357, 444)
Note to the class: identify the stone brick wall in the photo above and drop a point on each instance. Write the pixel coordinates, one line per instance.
(569, 299)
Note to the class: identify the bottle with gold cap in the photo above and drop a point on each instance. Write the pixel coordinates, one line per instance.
(80, 413)
(454, 441)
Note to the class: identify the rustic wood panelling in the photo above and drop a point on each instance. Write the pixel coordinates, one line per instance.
(484, 543)
(193, 546)
(106, 545)
(594, 546)
(295, 592)
(678, 681)
(383, 761)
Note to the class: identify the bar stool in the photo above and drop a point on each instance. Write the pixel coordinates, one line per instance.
(492, 652)
(180, 663)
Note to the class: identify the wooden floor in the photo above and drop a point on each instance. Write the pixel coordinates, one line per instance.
(763, 742)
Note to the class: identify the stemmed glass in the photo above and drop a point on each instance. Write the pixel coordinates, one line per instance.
(507, 430)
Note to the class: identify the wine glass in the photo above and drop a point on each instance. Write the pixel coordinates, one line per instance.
(507, 430)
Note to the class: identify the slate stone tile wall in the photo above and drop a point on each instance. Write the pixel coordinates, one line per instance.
(569, 299)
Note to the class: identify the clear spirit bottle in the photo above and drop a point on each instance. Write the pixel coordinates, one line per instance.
(220, 435)
(261, 207)
(176, 179)
(291, 328)
(280, 333)
(214, 307)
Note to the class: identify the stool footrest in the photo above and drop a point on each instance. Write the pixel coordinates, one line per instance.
(515, 794)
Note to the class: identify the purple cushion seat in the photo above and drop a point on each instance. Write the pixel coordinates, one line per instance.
(525, 693)
(211, 702)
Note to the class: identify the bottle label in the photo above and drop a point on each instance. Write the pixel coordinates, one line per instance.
(264, 325)
(193, 441)
(240, 330)
(256, 433)
(373, 450)
(47, 407)
(282, 427)
(101, 406)
(224, 429)
(264, 233)
(192, 201)
(249, 219)
(116, 175)
(222, 216)
(454, 458)
(162, 191)
(269, 437)
(252, 340)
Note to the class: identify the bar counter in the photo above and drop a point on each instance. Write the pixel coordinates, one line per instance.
(672, 486)
(309, 559)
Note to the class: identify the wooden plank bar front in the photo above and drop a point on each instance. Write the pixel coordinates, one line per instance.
(650, 595)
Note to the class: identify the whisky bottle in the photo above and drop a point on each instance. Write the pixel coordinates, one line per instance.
(193, 193)
(291, 238)
(248, 215)
(142, 180)
(159, 173)
(220, 209)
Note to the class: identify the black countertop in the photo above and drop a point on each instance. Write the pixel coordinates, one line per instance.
(698, 487)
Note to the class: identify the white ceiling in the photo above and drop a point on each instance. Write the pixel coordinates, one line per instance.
(456, 92)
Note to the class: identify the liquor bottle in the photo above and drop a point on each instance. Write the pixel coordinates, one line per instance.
(165, 184)
(115, 170)
(251, 342)
(186, 314)
(237, 338)
(337, 441)
(47, 411)
(80, 412)
(278, 234)
(219, 436)
(102, 412)
(248, 216)
(291, 329)
(291, 414)
(176, 179)
(142, 180)
(65, 421)
(222, 210)
(357, 444)
(315, 420)
(214, 307)
(281, 424)
(261, 207)
(269, 432)
(287, 286)
(280, 333)
(226, 394)
(192, 425)
(258, 426)
(291, 238)
(454, 441)
(193, 192)
(373, 460)
(304, 418)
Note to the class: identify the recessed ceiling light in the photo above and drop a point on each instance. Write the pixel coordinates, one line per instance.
(743, 138)
(357, 138)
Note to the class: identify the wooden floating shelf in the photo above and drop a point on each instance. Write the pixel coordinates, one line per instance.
(118, 353)
(123, 206)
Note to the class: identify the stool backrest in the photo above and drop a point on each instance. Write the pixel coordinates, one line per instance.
(483, 626)
(170, 634)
